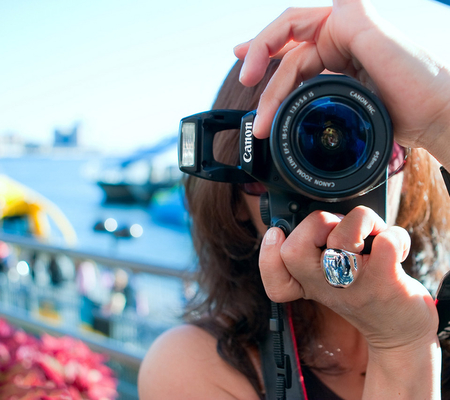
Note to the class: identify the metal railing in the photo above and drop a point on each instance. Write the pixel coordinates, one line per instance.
(116, 306)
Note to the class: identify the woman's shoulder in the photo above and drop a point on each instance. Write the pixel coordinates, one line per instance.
(183, 363)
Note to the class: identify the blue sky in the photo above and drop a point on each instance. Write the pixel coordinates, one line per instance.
(128, 71)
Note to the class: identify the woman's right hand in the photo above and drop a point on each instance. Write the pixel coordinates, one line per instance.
(350, 38)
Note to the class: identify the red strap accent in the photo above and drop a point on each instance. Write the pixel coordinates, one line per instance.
(294, 342)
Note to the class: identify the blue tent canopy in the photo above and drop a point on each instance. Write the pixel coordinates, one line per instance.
(150, 152)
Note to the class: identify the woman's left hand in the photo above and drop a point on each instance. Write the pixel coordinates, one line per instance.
(386, 305)
(394, 312)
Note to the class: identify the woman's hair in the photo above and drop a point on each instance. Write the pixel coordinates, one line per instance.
(232, 304)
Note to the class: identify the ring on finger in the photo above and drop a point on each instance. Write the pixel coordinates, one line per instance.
(339, 267)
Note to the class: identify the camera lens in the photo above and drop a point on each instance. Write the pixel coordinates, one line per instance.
(333, 136)
(331, 139)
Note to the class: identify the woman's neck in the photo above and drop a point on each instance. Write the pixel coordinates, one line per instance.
(339, 339)
(339, 355)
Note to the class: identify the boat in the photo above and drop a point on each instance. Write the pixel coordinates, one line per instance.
(135, 179)
(25, 212)
(168, 208)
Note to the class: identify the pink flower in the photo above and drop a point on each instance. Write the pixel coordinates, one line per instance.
(51, 368)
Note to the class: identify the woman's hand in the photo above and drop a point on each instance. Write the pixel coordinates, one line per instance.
(394, 312)
(387, 306)
(350, 38)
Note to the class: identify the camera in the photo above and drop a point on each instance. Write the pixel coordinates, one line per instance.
(329, 149)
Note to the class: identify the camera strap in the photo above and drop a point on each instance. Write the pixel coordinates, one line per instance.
(443, 307)
(280, 362)
(446, 177)
(443, 293)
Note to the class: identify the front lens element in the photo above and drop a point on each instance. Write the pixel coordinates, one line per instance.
(333, 136)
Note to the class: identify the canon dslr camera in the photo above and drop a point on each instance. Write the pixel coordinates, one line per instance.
(329, 149)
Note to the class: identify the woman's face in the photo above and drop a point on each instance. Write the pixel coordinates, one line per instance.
(394, 192)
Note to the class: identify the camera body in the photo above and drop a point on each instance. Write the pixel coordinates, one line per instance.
(329, 149)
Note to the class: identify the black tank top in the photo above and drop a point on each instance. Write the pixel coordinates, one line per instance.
(315, 389)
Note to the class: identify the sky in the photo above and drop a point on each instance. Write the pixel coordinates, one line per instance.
(128, 71)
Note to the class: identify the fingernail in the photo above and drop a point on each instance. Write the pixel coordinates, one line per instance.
(255, 125)
(242, 73)
(237, 46)
(271, 237)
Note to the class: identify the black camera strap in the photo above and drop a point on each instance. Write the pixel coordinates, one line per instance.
(281, 371)
(443, 307)
(446, 177)
(443, 292)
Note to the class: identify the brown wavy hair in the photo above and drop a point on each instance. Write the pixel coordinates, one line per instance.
(232, 304)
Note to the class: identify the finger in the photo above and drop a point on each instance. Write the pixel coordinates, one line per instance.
(391, 245)
(299, 64)
(306, 241)
(286, 49)
(382, 270)
(279, 284)
(298, 24)
(240, 51)
(356, 226)
(312, 232)
(301, 252)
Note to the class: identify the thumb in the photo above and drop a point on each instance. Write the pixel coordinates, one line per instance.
(279, 284)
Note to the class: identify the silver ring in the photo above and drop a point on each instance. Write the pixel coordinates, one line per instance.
(339, 267)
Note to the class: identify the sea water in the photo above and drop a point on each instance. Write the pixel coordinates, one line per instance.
(65, 181)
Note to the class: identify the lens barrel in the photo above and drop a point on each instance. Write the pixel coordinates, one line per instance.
(331, 139)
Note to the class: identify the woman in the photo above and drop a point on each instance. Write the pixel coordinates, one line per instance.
(375, 339)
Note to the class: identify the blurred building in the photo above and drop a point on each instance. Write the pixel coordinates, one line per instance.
(66, 138)
(11, 145)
